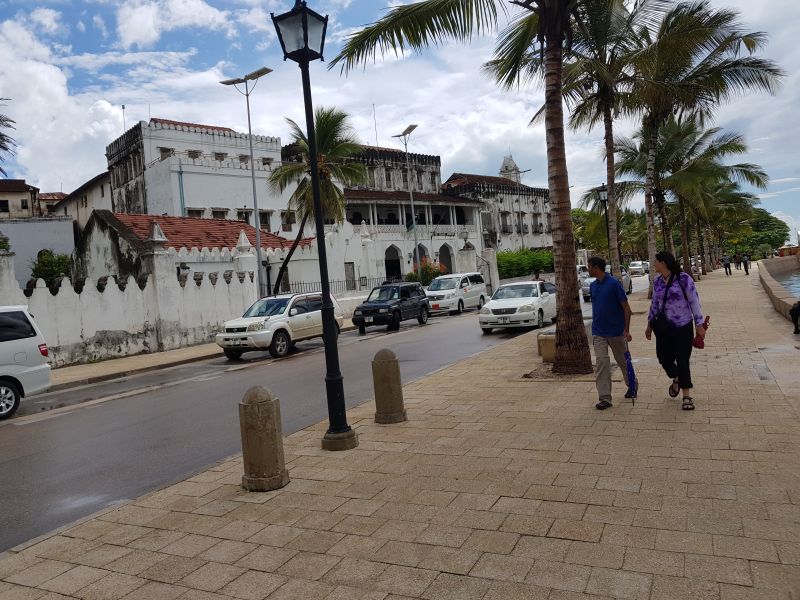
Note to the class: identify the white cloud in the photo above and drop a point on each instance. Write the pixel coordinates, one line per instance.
(793, 221)
(80, 26)
(47, 20)
(141, 22)
(100, 25)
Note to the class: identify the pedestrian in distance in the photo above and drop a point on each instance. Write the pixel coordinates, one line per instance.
(746, 264)
(738, 260)
(611, 321)
(675, 316)
(726, 262)
(794, 312)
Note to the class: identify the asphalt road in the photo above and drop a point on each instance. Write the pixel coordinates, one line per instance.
(69, 454)
(120, 439)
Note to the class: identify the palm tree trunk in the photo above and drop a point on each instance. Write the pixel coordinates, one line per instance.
(687, 265)
(613, 235)
(572, 345)
(648, 205)
(701, 247)
(276, 289)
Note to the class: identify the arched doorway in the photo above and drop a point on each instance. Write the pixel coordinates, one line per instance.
(392, 263)
(446, 258)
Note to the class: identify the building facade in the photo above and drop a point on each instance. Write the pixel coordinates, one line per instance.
(513, 215)
(164, 167)
(93, 195)
(18, 200)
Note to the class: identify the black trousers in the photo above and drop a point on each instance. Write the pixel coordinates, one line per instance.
(794, 312)
(674, 348)
(727, 269)
(746, 268)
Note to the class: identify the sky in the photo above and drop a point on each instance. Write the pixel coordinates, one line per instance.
(70, 65)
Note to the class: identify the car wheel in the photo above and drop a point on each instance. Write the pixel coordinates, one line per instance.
(460, 308)
(587, 298)
(540, 320)
(423, 316)
(395, 324)
(9, 399)
(486, 330)
(233, 354)
(362, 330)
(630, 287)
(481, 302)
(280, 344)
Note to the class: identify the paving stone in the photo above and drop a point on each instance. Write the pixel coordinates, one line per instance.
(253, 585)
(404, 580)
(654, 561)
(619, 584)
(308, 565)
(749, 548)
(558, 575)
(717, 568)
(39, 573)
(502, 566)
(680, 588)
(111, 587)
(505, 590)
(73, 580)
(540, 547)
(595, 554)
(135, 562)
(456, 587)
(228, 551)
(624, 535)
(190, 545)
(266, 558)
(295, 589)
(585, 531)
(355, 572)
(683, 541)
(211, 576)
(172, 568)
(238, 530)
(156, 591)
(450, 560)
(498, 542)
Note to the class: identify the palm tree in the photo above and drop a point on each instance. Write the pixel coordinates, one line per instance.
(698, 58)
(336, 147)
(418, 25)
(7, 143)
(596, 73)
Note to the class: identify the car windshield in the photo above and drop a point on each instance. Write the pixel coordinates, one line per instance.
(636, 264)
(383, 294)
(267, 307)
(445, 283)
(516, 291)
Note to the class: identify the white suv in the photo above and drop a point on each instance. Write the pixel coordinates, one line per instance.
(275, 324)
(23, 358)
(454, 293)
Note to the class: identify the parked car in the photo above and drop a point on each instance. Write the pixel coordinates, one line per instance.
(391, 303)
(636, 268)
(454, 293)
(23, 359)
(646, 264)
(627, 284)
(275, 324)
(522, 304)
(583, 272)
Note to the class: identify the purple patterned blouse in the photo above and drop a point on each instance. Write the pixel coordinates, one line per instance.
(679, 312)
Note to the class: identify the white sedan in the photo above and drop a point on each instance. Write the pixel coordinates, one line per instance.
(522, 304)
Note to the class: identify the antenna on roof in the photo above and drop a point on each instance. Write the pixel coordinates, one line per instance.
(375, 120)
(123, 119)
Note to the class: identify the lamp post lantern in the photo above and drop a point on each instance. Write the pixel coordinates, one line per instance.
(253, 77)
(602, 196)
(404, 138)
(301, 32)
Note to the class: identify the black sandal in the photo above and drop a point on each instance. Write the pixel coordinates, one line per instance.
(688, 403)
(674, 389)
(603, 404)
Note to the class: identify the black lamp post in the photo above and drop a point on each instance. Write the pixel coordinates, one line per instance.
(301, 33)
(602, 196)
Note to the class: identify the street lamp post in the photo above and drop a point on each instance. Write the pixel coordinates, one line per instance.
(602, 196)
(254, 76)
(301, 33)
(404, 138)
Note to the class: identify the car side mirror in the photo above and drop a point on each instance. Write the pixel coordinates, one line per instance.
(293, 312)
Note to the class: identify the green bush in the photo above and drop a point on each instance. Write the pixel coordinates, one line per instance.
(50, 266)
(522, 263)
(429, 272)
(4, 245)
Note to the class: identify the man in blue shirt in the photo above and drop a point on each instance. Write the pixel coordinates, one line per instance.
(611, 320)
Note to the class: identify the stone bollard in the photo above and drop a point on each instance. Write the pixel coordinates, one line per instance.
(388, 388)
(262, 441)
(547, 347)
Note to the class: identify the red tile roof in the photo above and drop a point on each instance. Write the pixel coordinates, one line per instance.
(52, 196)
(401, 196)
(16, 185)
(199, 233)
(195, 125)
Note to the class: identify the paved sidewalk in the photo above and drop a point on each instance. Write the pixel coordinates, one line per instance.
(497, 488)
(66, 377)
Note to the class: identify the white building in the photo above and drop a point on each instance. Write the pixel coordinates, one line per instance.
(173, 168)
(93, 195)
(514, 215)
(18, 200)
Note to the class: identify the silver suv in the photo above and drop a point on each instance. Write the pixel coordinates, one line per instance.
(23, 358)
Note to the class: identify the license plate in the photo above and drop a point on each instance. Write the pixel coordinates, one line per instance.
(435, 306)
(504, 319)
(367, 319)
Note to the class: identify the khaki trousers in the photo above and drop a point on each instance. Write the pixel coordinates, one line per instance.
(601, 346)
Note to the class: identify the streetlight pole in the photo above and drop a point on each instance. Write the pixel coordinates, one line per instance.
(521, 226)
(254, 76)
(602, 196)
(404, 138)
(301, 32)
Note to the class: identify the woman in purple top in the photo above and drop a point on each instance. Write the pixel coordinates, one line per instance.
(675, 316)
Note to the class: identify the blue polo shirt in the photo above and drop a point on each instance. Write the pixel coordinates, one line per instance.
(608, 319)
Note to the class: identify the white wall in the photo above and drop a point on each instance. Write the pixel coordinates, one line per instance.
(28, 236)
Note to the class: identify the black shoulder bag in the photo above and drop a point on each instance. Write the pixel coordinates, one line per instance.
(659, 324)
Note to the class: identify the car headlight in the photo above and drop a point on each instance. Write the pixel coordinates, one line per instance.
(486, 310)
(256, 326)
(356, 313)
(383, 310)
(450, 295)
(525, 308)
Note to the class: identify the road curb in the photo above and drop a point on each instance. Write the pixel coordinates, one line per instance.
(165, 365)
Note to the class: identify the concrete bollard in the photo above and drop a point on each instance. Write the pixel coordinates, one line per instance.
(547, 347)
(388, 388)
(262, 441)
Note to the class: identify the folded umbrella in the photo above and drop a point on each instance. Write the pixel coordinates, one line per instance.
(633, 384)
(699, 342)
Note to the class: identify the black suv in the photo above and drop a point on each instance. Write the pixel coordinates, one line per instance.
(391, 303)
